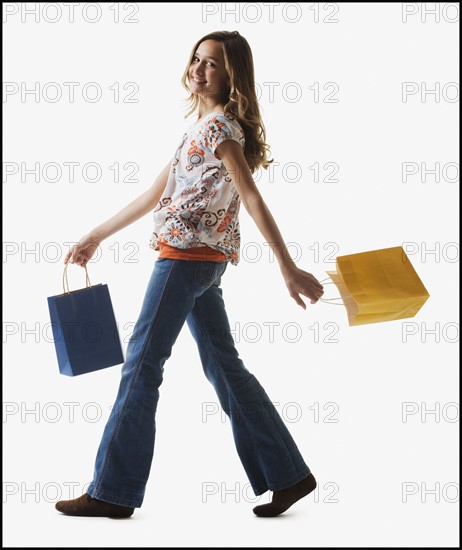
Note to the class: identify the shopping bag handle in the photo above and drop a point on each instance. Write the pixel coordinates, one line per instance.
(67, 282)
(330, 300)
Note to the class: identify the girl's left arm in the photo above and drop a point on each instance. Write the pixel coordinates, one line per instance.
(297, 280)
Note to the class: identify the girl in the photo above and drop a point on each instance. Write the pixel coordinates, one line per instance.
(196, 201)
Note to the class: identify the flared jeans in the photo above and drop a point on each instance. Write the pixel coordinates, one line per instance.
(179, 291)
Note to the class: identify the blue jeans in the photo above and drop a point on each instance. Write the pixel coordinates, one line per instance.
(179, 291)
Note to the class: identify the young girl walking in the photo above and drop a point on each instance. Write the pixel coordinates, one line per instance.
(196, 200)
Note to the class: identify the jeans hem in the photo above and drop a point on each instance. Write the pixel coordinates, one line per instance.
(127, 502)
(258, 492)
(289, 482)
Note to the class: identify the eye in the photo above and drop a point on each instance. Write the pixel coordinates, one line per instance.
(210, 63)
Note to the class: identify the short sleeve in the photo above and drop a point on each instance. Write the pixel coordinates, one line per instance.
(221, 128)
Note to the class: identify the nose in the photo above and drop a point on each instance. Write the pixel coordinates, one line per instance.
(199, 69)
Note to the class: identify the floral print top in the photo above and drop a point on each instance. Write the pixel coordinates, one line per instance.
(200, 205)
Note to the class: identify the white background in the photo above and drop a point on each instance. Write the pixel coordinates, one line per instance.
(363, 454)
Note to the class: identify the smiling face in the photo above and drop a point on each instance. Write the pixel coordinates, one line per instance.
(207, 73)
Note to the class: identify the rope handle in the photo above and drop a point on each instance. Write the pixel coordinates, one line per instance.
(331, 300)
(88, 283)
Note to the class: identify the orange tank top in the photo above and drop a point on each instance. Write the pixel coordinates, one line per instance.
(204, 253)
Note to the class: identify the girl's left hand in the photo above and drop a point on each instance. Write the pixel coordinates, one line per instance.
(299, 281)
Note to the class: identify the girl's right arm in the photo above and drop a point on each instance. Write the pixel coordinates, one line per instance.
(83, 251)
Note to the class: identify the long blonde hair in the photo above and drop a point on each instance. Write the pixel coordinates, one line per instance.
(239, 98)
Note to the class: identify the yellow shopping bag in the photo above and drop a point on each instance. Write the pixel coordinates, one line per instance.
(379, 285)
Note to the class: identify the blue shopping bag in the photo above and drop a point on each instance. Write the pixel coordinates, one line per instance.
(84, 328)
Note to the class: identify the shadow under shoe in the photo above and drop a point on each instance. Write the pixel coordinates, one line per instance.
(283, 500)
(89, 506)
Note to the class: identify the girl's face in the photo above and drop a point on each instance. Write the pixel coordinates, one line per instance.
(207, 73)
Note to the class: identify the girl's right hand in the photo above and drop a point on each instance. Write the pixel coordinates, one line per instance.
(83, 251)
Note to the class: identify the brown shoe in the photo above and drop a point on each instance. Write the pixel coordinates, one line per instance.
(89, 506)
(283, 500)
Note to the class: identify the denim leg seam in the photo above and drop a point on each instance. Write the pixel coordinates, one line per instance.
(137, 368)
(231, 392)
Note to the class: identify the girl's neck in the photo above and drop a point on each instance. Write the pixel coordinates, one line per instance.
(207, 110)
